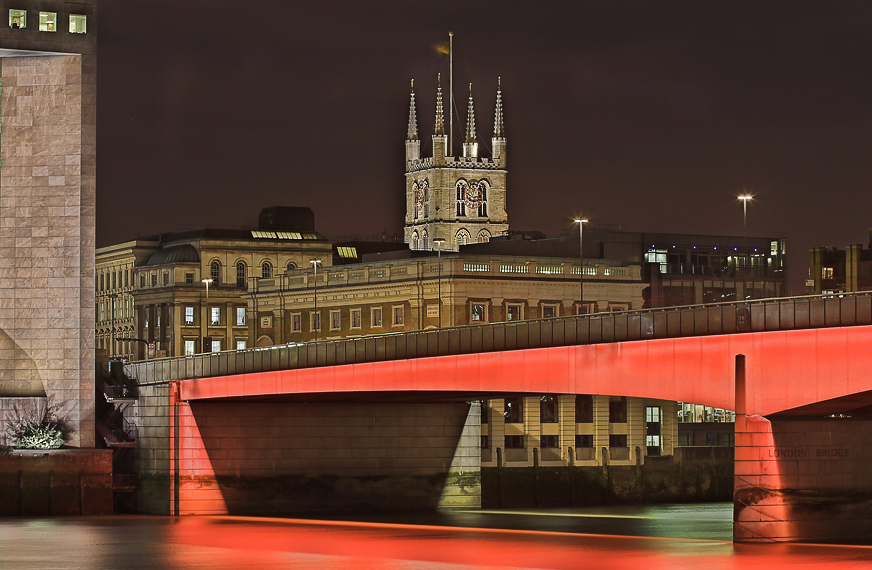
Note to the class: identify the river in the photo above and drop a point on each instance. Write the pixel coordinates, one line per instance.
(639, 537)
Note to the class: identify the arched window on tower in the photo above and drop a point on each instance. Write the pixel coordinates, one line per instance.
(426, 200)
(483, 236)
(482, 206)
(462, 237)
(215, 271)
(461, 197)
(414, 242)
(241, 274)
(424, 240)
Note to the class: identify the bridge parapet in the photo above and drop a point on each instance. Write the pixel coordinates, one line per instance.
(789, 313)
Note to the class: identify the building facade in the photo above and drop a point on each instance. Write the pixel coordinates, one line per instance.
(833, 270)
(48, 63)
(452, 201)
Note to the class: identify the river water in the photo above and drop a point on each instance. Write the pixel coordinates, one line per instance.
(637, 537)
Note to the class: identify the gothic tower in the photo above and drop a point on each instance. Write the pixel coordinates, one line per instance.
(457, 199)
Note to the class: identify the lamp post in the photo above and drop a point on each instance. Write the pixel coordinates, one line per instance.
(745, 198)
(315, 315)
(204, 326)
(580, 222)
(438, 242)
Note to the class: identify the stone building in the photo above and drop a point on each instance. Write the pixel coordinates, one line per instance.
(459, 200)
(48, 63)
(833, 270)
(153, 298)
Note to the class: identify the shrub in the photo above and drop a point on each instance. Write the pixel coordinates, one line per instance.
(35, 429)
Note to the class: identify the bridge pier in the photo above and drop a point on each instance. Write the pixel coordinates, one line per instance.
(274, 457)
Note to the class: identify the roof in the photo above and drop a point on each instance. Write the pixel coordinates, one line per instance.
(175, 254)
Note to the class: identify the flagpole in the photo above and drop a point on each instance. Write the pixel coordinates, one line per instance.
(450, 93)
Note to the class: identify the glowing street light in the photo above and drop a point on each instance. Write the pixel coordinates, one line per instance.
(581, 222)
(745, 198)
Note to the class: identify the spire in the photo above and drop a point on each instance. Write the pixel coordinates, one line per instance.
(412, 134)
(499, 129)
(470, 120)
(440, 120)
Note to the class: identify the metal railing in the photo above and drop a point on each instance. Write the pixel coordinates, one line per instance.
(786, 313)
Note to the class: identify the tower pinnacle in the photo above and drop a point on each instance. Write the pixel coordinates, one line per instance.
(499, 129)
(470, 147)
(412, 134)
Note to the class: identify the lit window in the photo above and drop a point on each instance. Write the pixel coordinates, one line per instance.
(142, 281)
(355, 318)
(477, 313)
(216, 345)
(154, 279)
(166, 278)
(216, 316)
(335, 320)
(18, 19)
(78, 24)
(189, 315)
(189, 347)
(397, 316)
(376, 317)
(514, 313)
(241, 344)
(240, 316)
(48, 21)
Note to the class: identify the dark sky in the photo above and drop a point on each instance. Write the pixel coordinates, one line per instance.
(651, 115)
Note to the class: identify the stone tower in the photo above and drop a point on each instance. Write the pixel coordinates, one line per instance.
(458, 199)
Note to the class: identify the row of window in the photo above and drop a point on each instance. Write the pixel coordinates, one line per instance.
(462, 237)
(553, 441)
(113, 279)
(215, 316)
(48, 21)
(114, 309)
(266, 272)
(513, 410)
(376, 314)
(470, 197)
(215, 345)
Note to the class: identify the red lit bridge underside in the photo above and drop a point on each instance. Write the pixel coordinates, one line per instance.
(785, 370)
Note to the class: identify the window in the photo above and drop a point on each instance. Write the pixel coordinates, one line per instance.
(142, 281)
(376, 317)
(414, 243)
(102, 311)
(462, 237)
(78, 24)
(145, 313)
(461, 197)
(216, 316)
(17, 19)
(240, 316)
(166, 278)
(189, 315)
(485, 412)
(315, 321)
(291, 266)
(189, 347)
(113, 280)
(102, 281)
(154, 279)
(584, 409)
(397, 316)
(549, 311)
(126, 281)
(240, 274)
(548, 409)
(549, 441)
(266, 270)
(514, 312)
(241, 344)
(157, 313)
(482, 206)
(355, 318)
(485, 444)
(189, 278)
(617, 410)
(424, 238)
(48, 21)
(584, 440)
(296, 322)
(653, 441)
(618, 440)
(216, 345)
(685, 439)
(477, 313)
(514, 442)
(335, 321)
(215, 272)
(514, 410)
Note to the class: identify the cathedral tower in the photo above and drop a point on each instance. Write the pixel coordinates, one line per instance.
(459, 199)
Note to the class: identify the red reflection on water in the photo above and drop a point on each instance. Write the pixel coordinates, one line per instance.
(366, 545)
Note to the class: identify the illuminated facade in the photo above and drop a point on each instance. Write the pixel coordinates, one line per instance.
(459, 200)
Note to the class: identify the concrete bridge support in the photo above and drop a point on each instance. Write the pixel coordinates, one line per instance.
(281, 457)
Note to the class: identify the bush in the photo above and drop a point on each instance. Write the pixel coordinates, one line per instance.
(35, 430)
(5, 449)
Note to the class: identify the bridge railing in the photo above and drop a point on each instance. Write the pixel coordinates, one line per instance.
(848, 309)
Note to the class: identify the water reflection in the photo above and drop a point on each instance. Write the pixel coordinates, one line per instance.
(672, 536)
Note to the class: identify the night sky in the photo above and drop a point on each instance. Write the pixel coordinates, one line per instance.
(650, 115)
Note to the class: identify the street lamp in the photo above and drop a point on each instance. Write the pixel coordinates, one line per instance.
(438, 242)
(204, 325)
(745, 198)
(315, 263)
(580, 222)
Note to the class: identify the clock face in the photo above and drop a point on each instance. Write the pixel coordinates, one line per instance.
(474, 195)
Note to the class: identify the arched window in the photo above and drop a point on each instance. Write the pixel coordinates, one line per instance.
(266, 270)
(414, 243)
(424, 239)
(291, 266)
(417, 201)
(461, 197)
(426, 200)
(483, 236)
(241, 274)
(482, 206)
(462, 237)
(216, 272)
